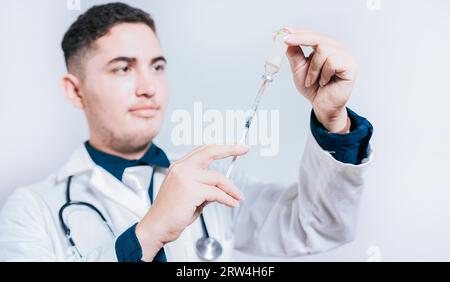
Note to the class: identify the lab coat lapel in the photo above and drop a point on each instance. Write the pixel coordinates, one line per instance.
(115, 190)
(102, 181)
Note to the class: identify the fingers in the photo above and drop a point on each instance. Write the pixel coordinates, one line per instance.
(298, 62)
(328, 71)
(199, 209)
(319, 57)
(296, 56)
(305, 37)
(214, 178)
(197, 149)
(209, 153)
(338, 66)
(308, 71)
(214, 194)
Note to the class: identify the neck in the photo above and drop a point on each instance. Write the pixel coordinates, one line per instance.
(129, 155)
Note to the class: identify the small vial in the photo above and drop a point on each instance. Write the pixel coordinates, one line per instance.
(273, 62)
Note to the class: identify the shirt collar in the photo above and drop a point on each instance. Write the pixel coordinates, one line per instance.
(116, 165)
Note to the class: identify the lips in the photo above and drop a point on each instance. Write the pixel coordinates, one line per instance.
(144, 110)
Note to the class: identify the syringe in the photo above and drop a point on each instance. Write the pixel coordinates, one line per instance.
(271, 67)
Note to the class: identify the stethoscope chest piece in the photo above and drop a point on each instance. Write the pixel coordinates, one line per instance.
(208, 248)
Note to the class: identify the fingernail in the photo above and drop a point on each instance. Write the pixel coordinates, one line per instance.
(322, 83)
(245, 147)
(287, 38)
(288, 29)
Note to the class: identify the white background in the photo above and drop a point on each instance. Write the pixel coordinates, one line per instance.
(216, 50)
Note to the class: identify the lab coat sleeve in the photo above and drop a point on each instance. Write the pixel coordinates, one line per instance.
(23, 236)
(315, 214)
(29, 233)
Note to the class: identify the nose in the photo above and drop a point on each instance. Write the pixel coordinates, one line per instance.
(145, 84)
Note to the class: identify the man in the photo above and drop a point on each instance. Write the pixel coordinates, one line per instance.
(120, 198)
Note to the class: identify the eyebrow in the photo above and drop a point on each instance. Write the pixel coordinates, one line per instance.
(131, 60)
(159, 58)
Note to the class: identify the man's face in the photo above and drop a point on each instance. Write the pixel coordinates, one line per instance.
(124, 87)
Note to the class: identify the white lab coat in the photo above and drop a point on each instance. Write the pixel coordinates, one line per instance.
(314, 214)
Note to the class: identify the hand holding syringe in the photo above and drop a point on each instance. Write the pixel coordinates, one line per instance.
(271, 67)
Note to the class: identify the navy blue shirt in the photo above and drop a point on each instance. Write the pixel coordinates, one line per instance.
(351, 148)
(116, 165)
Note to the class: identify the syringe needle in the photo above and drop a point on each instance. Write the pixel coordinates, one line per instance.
(272, 66)
(241, 142)
(248, 122)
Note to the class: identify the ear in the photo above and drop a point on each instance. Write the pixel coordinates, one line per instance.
(71, 88)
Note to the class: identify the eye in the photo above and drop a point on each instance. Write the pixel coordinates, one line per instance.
(122, 70)
(159, 67)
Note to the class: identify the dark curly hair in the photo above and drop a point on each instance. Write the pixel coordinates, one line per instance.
(95, 23)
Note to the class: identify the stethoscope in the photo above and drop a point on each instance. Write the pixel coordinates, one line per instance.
(69, 203)
(207, 248)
